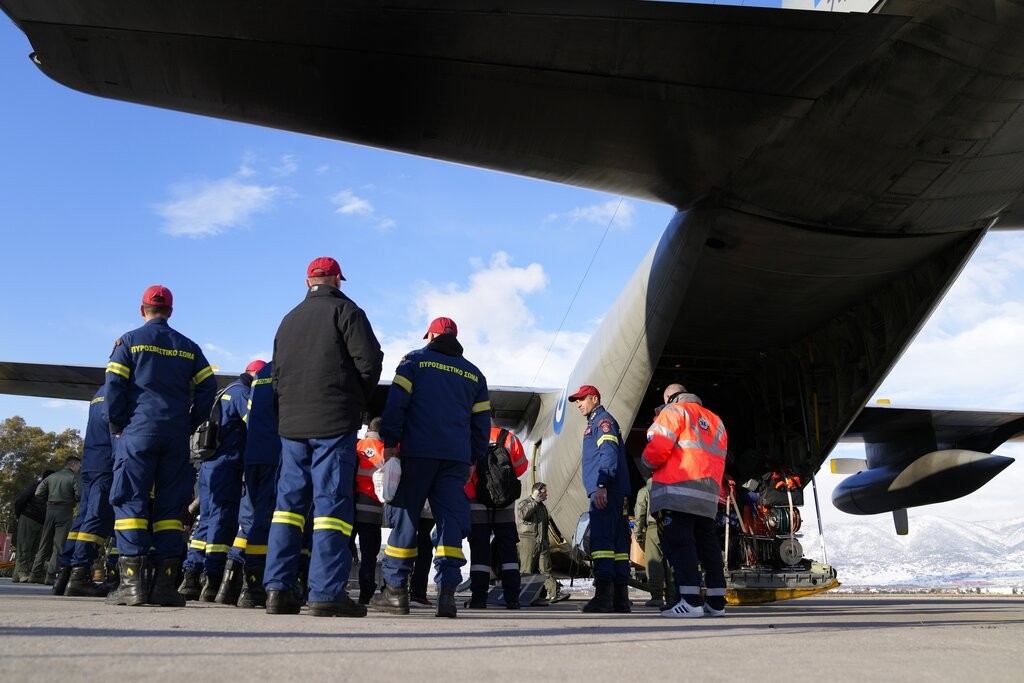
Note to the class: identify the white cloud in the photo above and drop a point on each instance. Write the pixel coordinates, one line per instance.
(287, 166)
(207, 208)
(247, 169)
(350, 204)
(620, 213)
(496, 326)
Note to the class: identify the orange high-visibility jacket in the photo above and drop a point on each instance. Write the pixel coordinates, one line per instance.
(686, 449)
(369, 456)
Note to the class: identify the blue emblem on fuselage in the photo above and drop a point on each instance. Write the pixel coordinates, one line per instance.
(559, 418)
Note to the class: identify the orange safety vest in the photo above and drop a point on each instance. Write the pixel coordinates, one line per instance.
(370, 456)
(686, 448)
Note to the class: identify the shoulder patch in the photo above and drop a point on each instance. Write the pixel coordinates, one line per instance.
(703, 423)
(117, 342)
(605, 425)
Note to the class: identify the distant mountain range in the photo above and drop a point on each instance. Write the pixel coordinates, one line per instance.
(938, 552)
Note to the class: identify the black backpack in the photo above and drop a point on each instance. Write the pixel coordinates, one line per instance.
(204, 440)
(496, 483)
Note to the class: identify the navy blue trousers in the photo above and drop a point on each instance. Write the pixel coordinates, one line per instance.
(609, 540)
(687, 540)
(145, 464)
(220, 492)
(320, 471)
(254, 514)
(441, 482)
(93, 524)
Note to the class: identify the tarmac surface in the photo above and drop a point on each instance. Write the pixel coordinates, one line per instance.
(832, 637)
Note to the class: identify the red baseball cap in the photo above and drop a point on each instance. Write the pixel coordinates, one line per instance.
(255, 366)
(585, 390)
(324, 266)
(158, 295)
(442, 326)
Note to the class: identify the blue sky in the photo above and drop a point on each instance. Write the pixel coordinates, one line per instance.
(101, 199)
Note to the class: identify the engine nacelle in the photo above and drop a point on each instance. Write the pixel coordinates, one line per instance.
(935, 477)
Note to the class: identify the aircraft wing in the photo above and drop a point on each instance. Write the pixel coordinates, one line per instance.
(510, 406)
(656, 100)
(976, 430)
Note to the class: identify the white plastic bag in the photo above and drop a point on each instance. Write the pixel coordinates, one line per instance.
(389, 476)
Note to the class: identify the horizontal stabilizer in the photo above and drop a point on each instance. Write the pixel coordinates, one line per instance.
(848, 465)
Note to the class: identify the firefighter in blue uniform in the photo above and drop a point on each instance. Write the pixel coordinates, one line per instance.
(220, 488)
(262, 459)
(438, 409)
(327, 362)
(606, 480)
(159, 388)
(95, 520)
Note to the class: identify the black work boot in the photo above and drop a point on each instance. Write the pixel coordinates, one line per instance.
(112, 581)
(60, 582)
(231, 584)
(253, 594)
(134, 587)
(191, 585)
(165, 584)
(80, 584)
(620, 599)
(211, 585)
(446, 602)
(284, 601)
(341, 606)
(393, 599)
(602, 602)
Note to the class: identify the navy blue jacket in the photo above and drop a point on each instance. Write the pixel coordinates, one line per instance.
(234, 409)
(263, 444)
(437, 406)
(97, 455)
(604, 454)
(150, 379)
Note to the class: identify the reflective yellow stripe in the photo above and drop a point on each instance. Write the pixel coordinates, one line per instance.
(217, 548)
(403, 382)
(621, 557)
(608, 437)
(285, 517)
(73, 536)
(118, 369)
(256, 550)
(450, 551)
(332, 524)
(402, 553)
(481, 406)
(113, 551)
(202, 374)
(90, 538)
(197, 544)
(167, 525)
(131, 523)
(239, 542)
(98, 399)
(602, 555)
(225, 397)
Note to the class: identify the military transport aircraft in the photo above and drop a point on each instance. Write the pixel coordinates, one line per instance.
(833, 172)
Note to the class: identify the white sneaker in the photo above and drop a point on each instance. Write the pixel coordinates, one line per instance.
(712, 612)
(683, 610)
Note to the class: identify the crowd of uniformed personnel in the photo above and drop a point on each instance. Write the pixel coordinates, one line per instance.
(289, 486)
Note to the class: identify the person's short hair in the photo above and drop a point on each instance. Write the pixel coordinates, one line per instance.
(72, 460)
(538, 486)
(326, 280)
(162, 311)
(375, 424)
